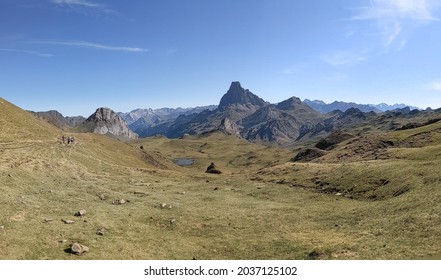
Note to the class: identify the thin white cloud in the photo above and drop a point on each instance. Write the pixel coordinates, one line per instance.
(344, 58)
(398, 9)
(81, 44)
(434, 86)
(391, 33)
(85, 6)
(391, 16)
(82, 3)
(28, 52)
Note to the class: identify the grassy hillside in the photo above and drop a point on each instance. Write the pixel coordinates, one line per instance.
(360, 201)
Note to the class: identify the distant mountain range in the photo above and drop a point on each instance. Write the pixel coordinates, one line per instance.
(324, 108)
(140, 120)
(243, 114)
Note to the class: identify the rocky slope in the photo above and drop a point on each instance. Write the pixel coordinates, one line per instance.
(141, 120)
(106, 121)
(57, 119)
(244, 114)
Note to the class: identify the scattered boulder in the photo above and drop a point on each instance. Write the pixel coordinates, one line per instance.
(120, 201)
(81, 213)
(172, 221)
(308, 154)
(165, 205)
(79, 249)
(2, 227)
(48, 220)
(102, 197)
(68, 222)
(212, 169)
(101, 231)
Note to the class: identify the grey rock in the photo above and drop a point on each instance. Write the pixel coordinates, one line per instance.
(81, 213)
(79, 249)
(119, 202)
(68, 222)
(212, 168)
(165, 205)
(106, 121)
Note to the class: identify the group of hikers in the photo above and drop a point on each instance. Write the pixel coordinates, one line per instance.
(67, 139)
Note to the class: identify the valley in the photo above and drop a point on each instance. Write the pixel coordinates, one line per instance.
(371, 195)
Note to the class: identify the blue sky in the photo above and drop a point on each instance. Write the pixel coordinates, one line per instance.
(77, 55)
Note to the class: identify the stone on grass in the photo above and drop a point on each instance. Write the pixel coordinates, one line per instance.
(212, 168)
(81, 213)
(120, 201)
(79, 249)
(68, 222)
(2, 227)
(101, 231)
(165, 205)
(48, 220)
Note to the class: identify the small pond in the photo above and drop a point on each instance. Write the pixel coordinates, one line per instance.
(184, 161)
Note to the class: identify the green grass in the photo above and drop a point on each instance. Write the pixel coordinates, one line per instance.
(261, 207)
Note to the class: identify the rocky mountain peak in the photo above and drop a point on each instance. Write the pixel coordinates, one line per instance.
(238, 95)
(290, 104)
(102, 114)
(106, 121)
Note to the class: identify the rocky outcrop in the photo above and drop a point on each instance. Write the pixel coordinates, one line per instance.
(106, 121)
(238, 95)
(229, 127)
(212, 169)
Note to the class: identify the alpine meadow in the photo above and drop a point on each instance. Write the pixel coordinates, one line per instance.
(250, 130)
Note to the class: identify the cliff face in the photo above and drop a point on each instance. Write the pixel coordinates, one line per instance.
(237, 95)
(106, 121)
